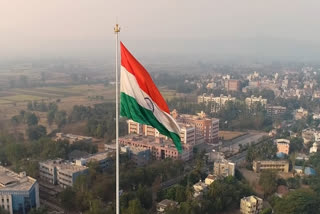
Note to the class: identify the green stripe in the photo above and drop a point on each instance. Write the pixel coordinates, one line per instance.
(131, 109)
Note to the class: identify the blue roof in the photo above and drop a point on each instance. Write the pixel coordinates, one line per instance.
(309, 171)
(281, 155)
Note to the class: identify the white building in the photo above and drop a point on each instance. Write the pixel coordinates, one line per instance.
(59, 172)
(252, 101)
(314, 148)
(251, 205)
(224, 168)
(199, 189)
(18, 193)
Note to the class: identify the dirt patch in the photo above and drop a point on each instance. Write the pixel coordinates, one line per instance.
(230, 135)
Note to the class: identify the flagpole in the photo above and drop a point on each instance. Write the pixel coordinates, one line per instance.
(117, 31)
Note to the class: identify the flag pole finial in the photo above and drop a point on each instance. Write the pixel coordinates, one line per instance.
(117, 28)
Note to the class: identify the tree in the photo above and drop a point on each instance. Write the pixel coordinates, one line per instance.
(41, 210)
(67, 199)
(298, 202)
(36, 132)
(134, 208)
(31, 119)
(268, 181)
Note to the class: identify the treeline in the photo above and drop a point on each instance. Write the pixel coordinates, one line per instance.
(100, 120)
(42, 106)
(24, 156)
(174, 82)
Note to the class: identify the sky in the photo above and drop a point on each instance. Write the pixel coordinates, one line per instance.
(228, 27)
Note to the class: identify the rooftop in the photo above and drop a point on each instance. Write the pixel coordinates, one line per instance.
(65, 165)
(11, 181)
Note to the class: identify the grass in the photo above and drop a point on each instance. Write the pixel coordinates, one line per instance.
(21, 98)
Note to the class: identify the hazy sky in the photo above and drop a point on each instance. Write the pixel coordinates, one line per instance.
(66, 27)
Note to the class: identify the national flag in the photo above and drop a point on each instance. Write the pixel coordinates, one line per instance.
(141, 101)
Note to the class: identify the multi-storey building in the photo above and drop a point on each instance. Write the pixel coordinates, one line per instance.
(104, 159)
(223, 168)
(232, 85)
(216, 102)
(18, 193)
(275, 111)
(206, 129)
(253, 101)
(187, 132)
(300, 114)
(251, 205)
(59, 172)
(140, 156)
(282, 166)
(159, 147)
(283, 146)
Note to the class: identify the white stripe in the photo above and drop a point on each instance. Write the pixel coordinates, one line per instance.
(130, 86)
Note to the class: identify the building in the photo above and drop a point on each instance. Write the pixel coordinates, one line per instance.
(159, 147)
(251, 205)
(104, 159)
(206, 129)
(314, 148)
(276, 111)
(59, 172)
(216, 102)
(140, 156)
(308, 135)
(300, 114)
(18, 193)
(199, 188)
(223, 168)
(304, 170)
(232, 85)
(283, 146)
(253, 101)
(72, 138)
(164, 204)
(210, 179)
(282, 166)
(187, 132)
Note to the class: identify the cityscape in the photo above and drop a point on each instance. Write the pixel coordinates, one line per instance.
(248, 120)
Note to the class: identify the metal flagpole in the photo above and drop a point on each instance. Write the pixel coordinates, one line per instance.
(117, 31)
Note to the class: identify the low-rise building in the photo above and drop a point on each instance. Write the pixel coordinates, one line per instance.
(199, 188)
(164, 204)
(282, 166)
(283, 146)
(72, 138)
(141, 156)
(159, 147)
(104, 159)
(18, 193)
(300, 113)
(216, 102)
(60, 172)
(251, 205)
(314, 148)
(308, 135)
(223, 168)
(210, 179)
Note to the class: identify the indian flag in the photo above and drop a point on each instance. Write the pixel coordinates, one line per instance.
(141, 101)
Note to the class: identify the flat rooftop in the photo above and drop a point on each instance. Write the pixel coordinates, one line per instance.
(11, 181)
(99, 156)
(64, 165)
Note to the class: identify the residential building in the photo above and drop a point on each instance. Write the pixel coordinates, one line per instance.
(216, 102)
(187, 132)
(282, 166)
(232, 85)
(314, 148)
(224, 168)
(159, 147)
(300, 114)
(18, 193)
(308, 135)
(283, 146)
(141, 156)
(253, 101)
(199, 188)
(276, 111)
(251, 205)
(72, 138)
(60, 172)
(206, 129)
(164, 204)
(210, 179)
